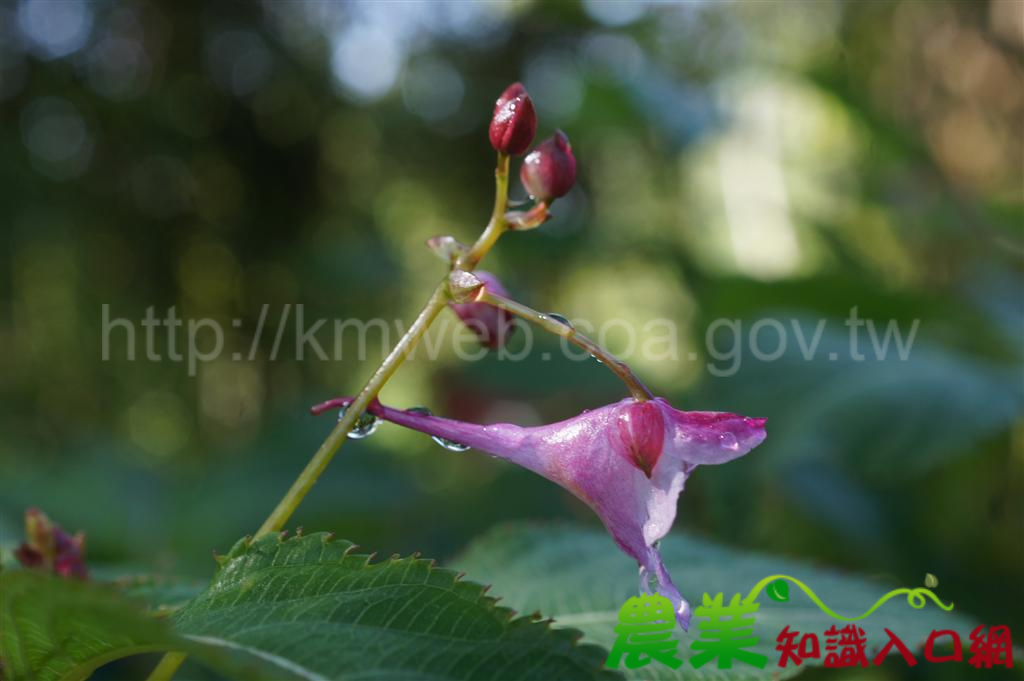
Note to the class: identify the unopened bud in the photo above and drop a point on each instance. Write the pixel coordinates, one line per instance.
(549, 171)
(491, 324)
(514, 122)
(48, 547)
(446, 248)
(464, 286)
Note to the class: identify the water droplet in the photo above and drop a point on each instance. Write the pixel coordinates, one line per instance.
(597, 360)
(728, 441)
(560, 319)
(450, 445)
(365, 426)
(648, 582)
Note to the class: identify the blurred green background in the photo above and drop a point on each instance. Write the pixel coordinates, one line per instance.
(736, 161)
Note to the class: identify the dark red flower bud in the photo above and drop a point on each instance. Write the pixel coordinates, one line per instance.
(514, 123)
(549, 171)
(491, 324)
(48, 547)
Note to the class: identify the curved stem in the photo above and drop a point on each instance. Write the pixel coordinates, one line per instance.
(618, 367)
(165, 669)
(497, 225)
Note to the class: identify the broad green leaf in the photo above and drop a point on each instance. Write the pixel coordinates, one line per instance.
(161, 593)
(579, 577)
(317, 609)
(54, 629)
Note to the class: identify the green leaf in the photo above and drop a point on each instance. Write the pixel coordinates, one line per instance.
(319, 610)
(160, 592)
(778, 590)
(54, 629)
(302, 608)
(579, 577)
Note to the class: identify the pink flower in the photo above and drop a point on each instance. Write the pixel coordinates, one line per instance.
(549, 171)
(514, 122)
(628, 461)
(491, 324)
(48, 547)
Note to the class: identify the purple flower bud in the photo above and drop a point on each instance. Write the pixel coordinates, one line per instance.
(514, 122)
(549, 171)
(48, 547)
(491, 324)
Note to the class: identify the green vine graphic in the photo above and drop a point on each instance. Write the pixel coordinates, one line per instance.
(778, 590)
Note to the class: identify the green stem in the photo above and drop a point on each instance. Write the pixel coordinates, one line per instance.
(546, 322)
(438, 299)
(165, 669)
(297, 492)
(495, 228)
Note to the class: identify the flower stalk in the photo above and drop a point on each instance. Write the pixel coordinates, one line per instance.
(636, 387)
(437, 302)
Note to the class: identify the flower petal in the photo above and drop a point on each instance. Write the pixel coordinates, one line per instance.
(628, 461)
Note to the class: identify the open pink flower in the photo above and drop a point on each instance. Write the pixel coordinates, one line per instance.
(628, 461)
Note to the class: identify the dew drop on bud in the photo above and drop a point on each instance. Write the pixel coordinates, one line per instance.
(365, 426)
(450, 445)
(728, 441)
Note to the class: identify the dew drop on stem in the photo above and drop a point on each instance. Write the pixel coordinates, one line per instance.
(450, 445)
(560, 319)
(365, 426)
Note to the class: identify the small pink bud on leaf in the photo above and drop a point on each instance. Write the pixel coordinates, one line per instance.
(48, 547)
(549, 171)
(514, 122)
(491, 324)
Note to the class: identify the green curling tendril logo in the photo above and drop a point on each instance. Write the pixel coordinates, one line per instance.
(777, 589)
